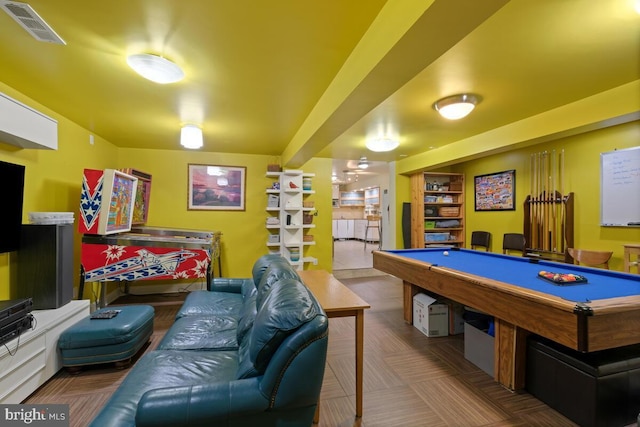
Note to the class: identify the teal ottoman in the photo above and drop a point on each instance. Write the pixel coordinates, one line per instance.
(93, 341)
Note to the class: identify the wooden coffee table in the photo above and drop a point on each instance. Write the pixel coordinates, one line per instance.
(339, 301)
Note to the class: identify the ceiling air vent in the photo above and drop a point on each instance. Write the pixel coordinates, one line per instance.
(28, 19)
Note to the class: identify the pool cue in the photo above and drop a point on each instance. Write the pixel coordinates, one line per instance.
(547, 234)
(542, 217)
(534, 231)
(549, 222)
(540, 212)
(545, 229)
(530, 207)
(546, 201)
(562, 201)
(554, 170)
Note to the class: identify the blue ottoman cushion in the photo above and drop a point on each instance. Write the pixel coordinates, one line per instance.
(92, 341)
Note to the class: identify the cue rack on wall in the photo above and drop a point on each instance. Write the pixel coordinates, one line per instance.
(548, 212)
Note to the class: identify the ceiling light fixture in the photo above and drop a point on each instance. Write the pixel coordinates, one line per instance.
(191, 137)
(382, 144)
(363, 163)
(155, 68)
(457, 106)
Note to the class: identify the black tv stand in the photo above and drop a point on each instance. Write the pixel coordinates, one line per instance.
(15, 318)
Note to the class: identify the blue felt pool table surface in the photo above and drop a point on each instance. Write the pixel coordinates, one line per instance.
(521, 271)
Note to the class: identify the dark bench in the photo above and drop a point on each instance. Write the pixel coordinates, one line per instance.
(592, 389)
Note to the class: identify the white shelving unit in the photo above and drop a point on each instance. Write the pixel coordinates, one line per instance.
(286, 213)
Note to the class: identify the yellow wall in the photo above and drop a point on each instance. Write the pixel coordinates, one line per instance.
(582, 171)
(244, 235)
(53, 179)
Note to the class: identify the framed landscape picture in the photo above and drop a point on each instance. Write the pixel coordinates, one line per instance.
(495, 191)
(216, 188)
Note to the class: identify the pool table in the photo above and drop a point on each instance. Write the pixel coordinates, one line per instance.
(600, 314)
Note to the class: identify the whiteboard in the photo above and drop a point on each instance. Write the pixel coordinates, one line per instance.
(620, 187)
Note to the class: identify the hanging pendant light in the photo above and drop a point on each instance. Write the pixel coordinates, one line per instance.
(363, 163)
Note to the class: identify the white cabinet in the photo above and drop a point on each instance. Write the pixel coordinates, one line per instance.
(25, 127)
(351, 198)
(372, 196)
(344, 229)
(290, 216)
(359, 227)
(37, 357)
(372, 235)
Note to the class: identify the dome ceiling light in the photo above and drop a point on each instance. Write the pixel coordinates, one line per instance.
(382, 144)
(457, 106)
(155, 68)
(191, 137)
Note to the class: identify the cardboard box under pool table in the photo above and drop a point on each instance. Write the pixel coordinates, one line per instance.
(430, 316)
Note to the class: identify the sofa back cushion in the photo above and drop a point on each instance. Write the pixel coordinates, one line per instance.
(277, 271)
(287, 307)
(262, 264)
(247, 317)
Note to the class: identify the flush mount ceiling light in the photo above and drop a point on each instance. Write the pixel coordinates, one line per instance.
(363, 163)
(382, 144)
(155, 68)
(191, 137)
(457, 106)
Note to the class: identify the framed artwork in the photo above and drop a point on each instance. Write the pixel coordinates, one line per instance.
(495, 191)
(216, 188)
(143, 194)
(118, 198)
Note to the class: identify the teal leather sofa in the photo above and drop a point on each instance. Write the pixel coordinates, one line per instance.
(247, 352)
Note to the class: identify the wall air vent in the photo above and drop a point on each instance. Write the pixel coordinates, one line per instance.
(28, 19)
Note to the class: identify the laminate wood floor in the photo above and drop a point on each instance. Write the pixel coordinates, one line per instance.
(410, 380)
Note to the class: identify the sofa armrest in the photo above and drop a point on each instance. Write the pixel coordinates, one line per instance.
(224, 284)
(206, 404)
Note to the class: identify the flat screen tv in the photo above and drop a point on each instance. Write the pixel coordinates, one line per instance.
(12, 179)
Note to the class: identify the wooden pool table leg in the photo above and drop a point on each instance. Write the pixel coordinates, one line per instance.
(510, 354)
(409, 290)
